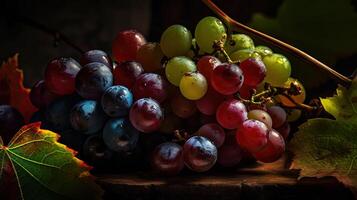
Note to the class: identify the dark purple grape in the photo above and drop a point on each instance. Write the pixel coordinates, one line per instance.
(73, 140)
(11, 121)
(150, 85)
(230, 154)
(199, 154)
(278, 116)
(95, 151)
(214, 132)
(58, 112)
(116, 101)
(126, 73)
(40, 96)
(96, 56)
(167, 158)
(60, 75)
(92, 80)
(146, 115)
(87, 117)
(119, 135)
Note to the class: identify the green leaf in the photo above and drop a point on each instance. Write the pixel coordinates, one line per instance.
(327, 147)
(325, 29)
(43, 168)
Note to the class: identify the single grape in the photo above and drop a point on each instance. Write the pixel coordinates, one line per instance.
(293, 115)
(150, 56)
(252, 135)
(116, 101)
(206, 65)
(11, 121)
(119, 135)
(214, 132)
(126, 73)
(40, 96)
(231, 114)
(87, 117)
(209, 103)
(60, 75)
(167, 158)
(230, 154)
(126, 45)
(176, 67)
(278, 115)
(246, 91)
(95, 151)
(199, 154)
(300, 98)
(208, 31)
(170, 123)
(238, 42)
(227, 78)
(150, 85)
(193, 85)
(92, 80)
(96, 56)
(284, 130)
(244, 54)
(278, 69)
(146, 115)
(262, 116)
(182, 107)
(58, 112)
(263, 51)
(254, 71)
(273, 150)
(176, 41)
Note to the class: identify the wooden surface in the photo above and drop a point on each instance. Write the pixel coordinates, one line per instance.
(260, 181)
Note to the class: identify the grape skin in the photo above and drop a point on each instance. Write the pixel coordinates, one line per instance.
(176, 68)
(193, 85)
(167, 158)
(252, 135)
(231, 114)
(209, 30)
(176, 41)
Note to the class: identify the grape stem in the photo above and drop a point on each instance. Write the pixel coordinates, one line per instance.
(57, 35)
(232, 24)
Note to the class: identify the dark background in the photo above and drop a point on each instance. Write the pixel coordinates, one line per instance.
(94, 24)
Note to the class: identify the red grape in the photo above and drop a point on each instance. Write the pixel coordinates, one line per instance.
(150, 56)
(168, 158)
(126, 73)
(227, 78)
(150, 85)
(246, 91)
(206, 65)
(146, 115)
(96, 56)
(278, 115)
(252, 135)
(209, 103)
(60, 75)
(199, 154)
(126, 45)
(229, 154)
(273, 150)
(214, 132)
(254, 71)
(284, 130)
(40, 96)
(182, 107)
(231, 114)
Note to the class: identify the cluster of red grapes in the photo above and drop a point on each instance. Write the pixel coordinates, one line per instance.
(181, 102)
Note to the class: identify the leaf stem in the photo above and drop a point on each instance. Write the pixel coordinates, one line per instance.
(232, 24)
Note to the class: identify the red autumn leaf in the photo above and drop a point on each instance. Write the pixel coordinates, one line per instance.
(12, 90)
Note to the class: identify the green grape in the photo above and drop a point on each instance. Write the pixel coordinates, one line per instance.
(262, 116)
(278, 69)
(244, 54)
(263, 51)
(176, 41)
(209, 30)
(193, 86)
(293, 115)
(238, 42)
(176, 67)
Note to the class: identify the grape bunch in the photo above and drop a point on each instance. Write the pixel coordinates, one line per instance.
(189, 100)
